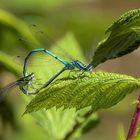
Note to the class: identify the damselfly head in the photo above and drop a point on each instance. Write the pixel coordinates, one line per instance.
(31, 75)
(28, 84)
(89, 67)
(78, 64)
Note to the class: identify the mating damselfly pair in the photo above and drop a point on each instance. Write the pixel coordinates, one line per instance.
(28, 77)
(75, 64)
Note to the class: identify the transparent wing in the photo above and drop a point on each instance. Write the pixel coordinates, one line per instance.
(5, 89)
(42, 74)
(20, 58)
(44, 71)
(66, 48)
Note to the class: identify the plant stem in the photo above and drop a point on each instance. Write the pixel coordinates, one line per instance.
(77, 125)
(134, 122)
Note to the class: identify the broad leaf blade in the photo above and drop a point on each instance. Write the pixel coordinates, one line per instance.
(60, 122)
(99, 90)
(124, 38)
(128, 19)
(117, 46)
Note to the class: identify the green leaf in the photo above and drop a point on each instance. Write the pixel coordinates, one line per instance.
(96, 89)
(13, 22)
(7, 62)
(135, 102)
(124, 38)
(121, 133)
(86, 122)
(117, 46)
(55, 123)
(129, 19)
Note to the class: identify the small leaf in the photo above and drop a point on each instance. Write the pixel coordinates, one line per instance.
(124, 38)
(89, 123)
(117, 46)
(96, 89)
(128, 19)
(121, 133)
(60, 122)
(135, 102)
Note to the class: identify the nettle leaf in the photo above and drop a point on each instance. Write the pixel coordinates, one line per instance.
(128, 19)
(124, 38)
(96, 89)
(117, 46)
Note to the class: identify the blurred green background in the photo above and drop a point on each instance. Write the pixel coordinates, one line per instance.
(87, 20)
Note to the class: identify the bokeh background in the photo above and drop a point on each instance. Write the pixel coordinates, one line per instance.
(87, 20)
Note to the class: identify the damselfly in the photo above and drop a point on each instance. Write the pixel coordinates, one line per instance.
(76, 64)
(22, 82)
